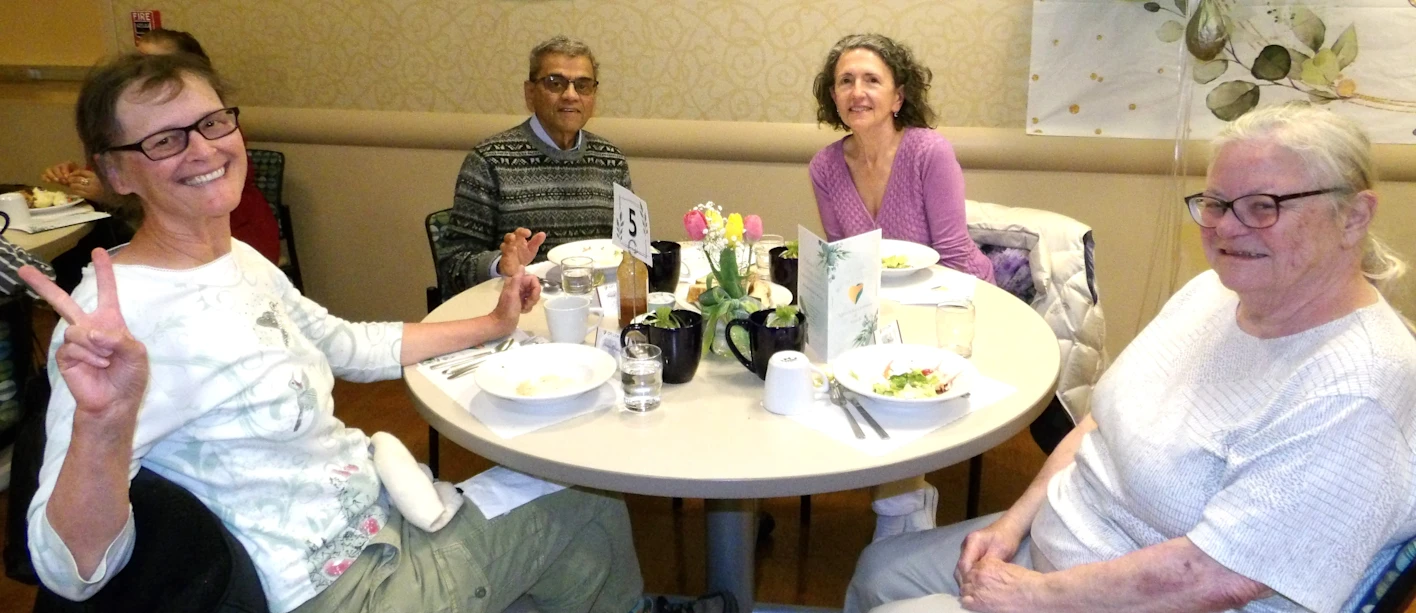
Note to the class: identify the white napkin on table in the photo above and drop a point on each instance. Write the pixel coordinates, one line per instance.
(932, 285)
(508, 420)
(43, 223)
(828, 419)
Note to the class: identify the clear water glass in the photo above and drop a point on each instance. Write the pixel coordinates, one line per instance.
(761, 253)
(578, 275)
(954, 326)
(641, 376)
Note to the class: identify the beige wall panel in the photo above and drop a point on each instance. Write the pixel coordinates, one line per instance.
(732, 60)
(34, 136)
(52, 32)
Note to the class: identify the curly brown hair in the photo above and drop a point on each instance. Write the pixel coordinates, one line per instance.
(911, 77)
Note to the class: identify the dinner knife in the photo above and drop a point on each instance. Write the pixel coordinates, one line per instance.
(868, 419)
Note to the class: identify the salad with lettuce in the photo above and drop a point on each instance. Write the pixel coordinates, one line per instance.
(895, 261)
(907, 382)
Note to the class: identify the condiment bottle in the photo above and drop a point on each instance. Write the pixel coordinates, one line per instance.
(633, 279)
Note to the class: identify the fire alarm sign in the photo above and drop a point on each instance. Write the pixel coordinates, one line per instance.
(144, 22)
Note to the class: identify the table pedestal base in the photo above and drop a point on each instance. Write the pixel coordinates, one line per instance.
(732, 540)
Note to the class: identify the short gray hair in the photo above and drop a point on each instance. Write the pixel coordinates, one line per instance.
(1336, 152)
(561, 45)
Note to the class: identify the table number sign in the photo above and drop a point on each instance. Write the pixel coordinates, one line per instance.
(631, 232)
(889, 334)
(839, 287)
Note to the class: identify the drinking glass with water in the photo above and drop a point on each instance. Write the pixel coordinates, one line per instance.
(578, 275)
(642, 376)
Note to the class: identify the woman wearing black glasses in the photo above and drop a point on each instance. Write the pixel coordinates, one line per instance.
(193, 356)
(253, 221)
(1252, 449)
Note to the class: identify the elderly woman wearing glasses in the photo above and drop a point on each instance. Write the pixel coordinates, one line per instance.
(548, 174)
(1252, 449)
(190, 354)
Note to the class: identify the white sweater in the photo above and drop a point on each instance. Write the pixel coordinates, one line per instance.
(238, 411)
(1289, 460)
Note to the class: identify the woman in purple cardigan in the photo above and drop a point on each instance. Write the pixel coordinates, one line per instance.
(892, 171)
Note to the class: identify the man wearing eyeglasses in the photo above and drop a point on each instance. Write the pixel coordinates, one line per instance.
(547, 174)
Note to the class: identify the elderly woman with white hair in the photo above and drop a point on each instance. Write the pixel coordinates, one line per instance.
(1252, 449)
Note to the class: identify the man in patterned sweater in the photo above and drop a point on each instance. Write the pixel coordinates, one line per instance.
(547, 174)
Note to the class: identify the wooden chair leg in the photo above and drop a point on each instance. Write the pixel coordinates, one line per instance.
(975, 484)
(433, 451)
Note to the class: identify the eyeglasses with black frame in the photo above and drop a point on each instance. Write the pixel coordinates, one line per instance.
(1256, 211)
(172, 141)
(556, 84)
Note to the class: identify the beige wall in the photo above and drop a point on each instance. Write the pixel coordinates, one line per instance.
(52, 32)
(731, 60)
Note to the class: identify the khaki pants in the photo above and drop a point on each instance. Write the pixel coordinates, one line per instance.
(570, 551)
(914, 572)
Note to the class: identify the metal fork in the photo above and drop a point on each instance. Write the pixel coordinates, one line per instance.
(469, 368)
(874, 425)
(838, 399)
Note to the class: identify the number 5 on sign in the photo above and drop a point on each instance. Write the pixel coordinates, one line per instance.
(632, 224)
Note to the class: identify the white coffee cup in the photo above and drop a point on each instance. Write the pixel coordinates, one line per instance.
(568, 317)
(789, 388)
(16, 208)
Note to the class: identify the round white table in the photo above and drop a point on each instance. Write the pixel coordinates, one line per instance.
(50, 243)
(711, 438)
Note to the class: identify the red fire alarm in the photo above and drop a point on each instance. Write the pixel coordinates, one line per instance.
(144, 22)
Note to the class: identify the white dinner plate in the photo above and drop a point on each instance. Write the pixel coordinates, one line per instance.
(778, 295)
(72, 202)
(918, 257)
(861, 368)
(563, 369)
(602, 250)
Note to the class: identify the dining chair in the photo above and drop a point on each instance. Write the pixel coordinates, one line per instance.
(433, 225)
(183, 559)
(270, 179)
(1395, 586)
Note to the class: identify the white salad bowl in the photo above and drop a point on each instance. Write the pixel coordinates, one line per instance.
(861, 368)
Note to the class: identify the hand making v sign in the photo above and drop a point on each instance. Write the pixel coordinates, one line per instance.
(105, 367)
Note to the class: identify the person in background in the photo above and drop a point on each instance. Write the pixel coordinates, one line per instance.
(1252, 449)
(547, 173)
(253, 222)
(892, 172)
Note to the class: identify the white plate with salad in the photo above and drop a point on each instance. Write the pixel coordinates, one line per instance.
(904, 376)
(903, 258)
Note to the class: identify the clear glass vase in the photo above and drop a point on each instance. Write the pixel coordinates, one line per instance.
(745, 306)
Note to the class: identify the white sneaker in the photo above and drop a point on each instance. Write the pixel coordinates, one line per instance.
(908, 512)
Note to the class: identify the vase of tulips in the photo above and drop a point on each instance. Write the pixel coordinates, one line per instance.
(727, 241)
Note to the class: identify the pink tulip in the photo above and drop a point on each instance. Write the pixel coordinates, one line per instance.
(752, 227)
(695, 224)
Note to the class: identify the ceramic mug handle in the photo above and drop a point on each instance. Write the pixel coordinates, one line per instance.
(728, 336)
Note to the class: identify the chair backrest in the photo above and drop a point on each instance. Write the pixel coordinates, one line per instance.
(1056, 254)
(270, 179)
(1394, 586)
(434, 225)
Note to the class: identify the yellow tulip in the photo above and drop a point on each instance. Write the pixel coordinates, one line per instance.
(715, 219)
(734, 230)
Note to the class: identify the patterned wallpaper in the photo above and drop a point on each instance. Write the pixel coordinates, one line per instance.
(729, 60)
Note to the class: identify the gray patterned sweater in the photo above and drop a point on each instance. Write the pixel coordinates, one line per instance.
(515, 180)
